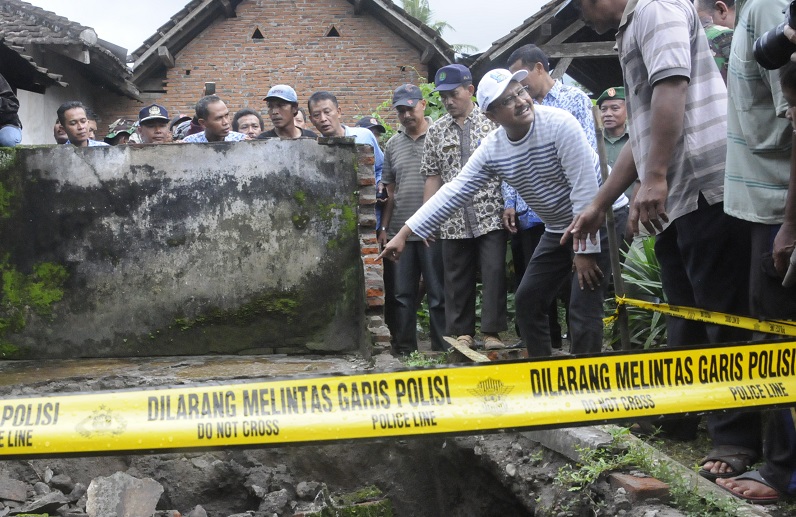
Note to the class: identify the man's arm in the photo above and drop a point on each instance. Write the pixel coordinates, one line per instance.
(668, 113)
(431, 186)
(786, 236)
(386, 215)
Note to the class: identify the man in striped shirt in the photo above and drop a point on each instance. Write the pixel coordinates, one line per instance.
(677, 112)
(543, 153)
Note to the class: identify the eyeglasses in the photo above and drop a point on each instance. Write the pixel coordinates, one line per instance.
(510, 100)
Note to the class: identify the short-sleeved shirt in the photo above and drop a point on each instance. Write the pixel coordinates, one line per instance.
(402, 159)
(93, 143)
(271, 133)
(200, 138)
(758, 138)
(448, 147)
(660, 39)
(552, 167)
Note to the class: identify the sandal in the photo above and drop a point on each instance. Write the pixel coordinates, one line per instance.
(754, 475)
(467, 341)
(738, 458)
(493, 343)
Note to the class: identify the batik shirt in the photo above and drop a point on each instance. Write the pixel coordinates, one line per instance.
(448, 147)
(200, 138)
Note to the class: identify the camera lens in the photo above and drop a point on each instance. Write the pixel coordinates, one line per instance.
(773, 49)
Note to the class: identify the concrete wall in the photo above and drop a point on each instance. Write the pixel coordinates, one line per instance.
(229, 248)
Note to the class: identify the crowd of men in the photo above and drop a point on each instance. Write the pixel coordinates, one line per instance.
(708, 173)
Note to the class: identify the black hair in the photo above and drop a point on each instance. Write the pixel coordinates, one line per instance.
(69, 105)
(322, 96)
(787, 76)
(201, 108)
(244, 112)
(529, 55)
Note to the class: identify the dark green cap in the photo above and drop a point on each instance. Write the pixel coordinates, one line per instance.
(612, 93)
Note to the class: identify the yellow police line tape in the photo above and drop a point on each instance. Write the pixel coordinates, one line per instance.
(778, 327)
(544, 393)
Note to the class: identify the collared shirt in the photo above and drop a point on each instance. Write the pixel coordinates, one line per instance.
(613, 145)
(578, 104)
(660, 39)
(200, 138)
(758, 138)
(93, 143)
(402, 158)
(447, 148)
(552, 167)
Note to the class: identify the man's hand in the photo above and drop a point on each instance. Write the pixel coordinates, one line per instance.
(585, 226)
(783, 247)
(649, 205)
(381, 237)
(589, 273)
(392, 250)
(510, 220)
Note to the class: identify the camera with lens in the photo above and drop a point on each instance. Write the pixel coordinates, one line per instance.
(773, 49)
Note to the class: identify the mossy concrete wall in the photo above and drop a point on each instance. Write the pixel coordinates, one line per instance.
(192, 249)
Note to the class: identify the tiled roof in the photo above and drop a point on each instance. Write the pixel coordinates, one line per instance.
(24, 26)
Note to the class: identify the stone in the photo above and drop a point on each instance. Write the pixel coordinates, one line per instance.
(48, 503)
(13, 490)
(275, 502)
(198, 511)
(62, 482)
(511, 470)
(123, 496)
(639, 488)
(307, 490)
(41, 488)
(77, 492)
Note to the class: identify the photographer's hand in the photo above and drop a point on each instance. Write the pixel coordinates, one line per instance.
(791, 35)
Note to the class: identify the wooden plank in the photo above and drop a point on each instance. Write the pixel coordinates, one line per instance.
(165, 57)
(561, 68)
(581, 50)
(562, 36)
(466, 351)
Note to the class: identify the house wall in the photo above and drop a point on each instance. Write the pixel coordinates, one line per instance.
(361, 67)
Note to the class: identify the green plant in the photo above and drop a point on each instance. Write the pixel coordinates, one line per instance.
(625, 452)
(641, 273)
(419, 359)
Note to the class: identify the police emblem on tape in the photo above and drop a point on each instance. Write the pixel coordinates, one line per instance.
(101, 421)
(493, 394)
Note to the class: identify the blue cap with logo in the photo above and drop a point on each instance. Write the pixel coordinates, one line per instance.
(282, 91)
(152, 112)
(451, 77)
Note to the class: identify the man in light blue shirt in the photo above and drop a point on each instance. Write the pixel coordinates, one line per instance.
(326, 116)
(74, 119)
(213, 116)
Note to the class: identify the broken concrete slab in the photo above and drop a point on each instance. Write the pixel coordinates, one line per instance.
(13, 490)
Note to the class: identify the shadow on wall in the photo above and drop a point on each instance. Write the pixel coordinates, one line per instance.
(227, 248)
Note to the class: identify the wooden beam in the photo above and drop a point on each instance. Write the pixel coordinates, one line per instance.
(165, 57)
(427, 55)
(229, 9)
(359, 7)
(561, 68)
(562, 36)
(581, 50)
(79, 53)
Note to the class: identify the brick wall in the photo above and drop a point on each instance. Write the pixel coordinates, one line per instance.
(361, 67)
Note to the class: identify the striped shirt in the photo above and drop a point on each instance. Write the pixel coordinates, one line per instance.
(402, 159)
(552, 167)
(758, 139)
(569, 99)
(659, 39)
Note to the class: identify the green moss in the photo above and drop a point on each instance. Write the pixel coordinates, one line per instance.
(368, 493)
(301, 197)
(36, 292)
(264, 305)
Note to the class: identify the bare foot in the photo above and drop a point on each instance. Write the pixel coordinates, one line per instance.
(748, 488)
(717, 467)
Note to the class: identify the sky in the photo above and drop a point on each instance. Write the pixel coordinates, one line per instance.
(129, 24)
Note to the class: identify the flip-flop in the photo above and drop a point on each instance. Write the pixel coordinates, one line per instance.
(754, 475)
(738, 458)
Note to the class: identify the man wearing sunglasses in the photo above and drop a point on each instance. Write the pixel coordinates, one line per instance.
(543, 153)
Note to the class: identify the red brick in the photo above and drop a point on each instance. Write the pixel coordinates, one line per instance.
(640, 488)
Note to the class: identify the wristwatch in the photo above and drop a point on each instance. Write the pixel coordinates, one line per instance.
(382, 229)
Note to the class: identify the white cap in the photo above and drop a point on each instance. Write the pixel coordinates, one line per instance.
(494, 83)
